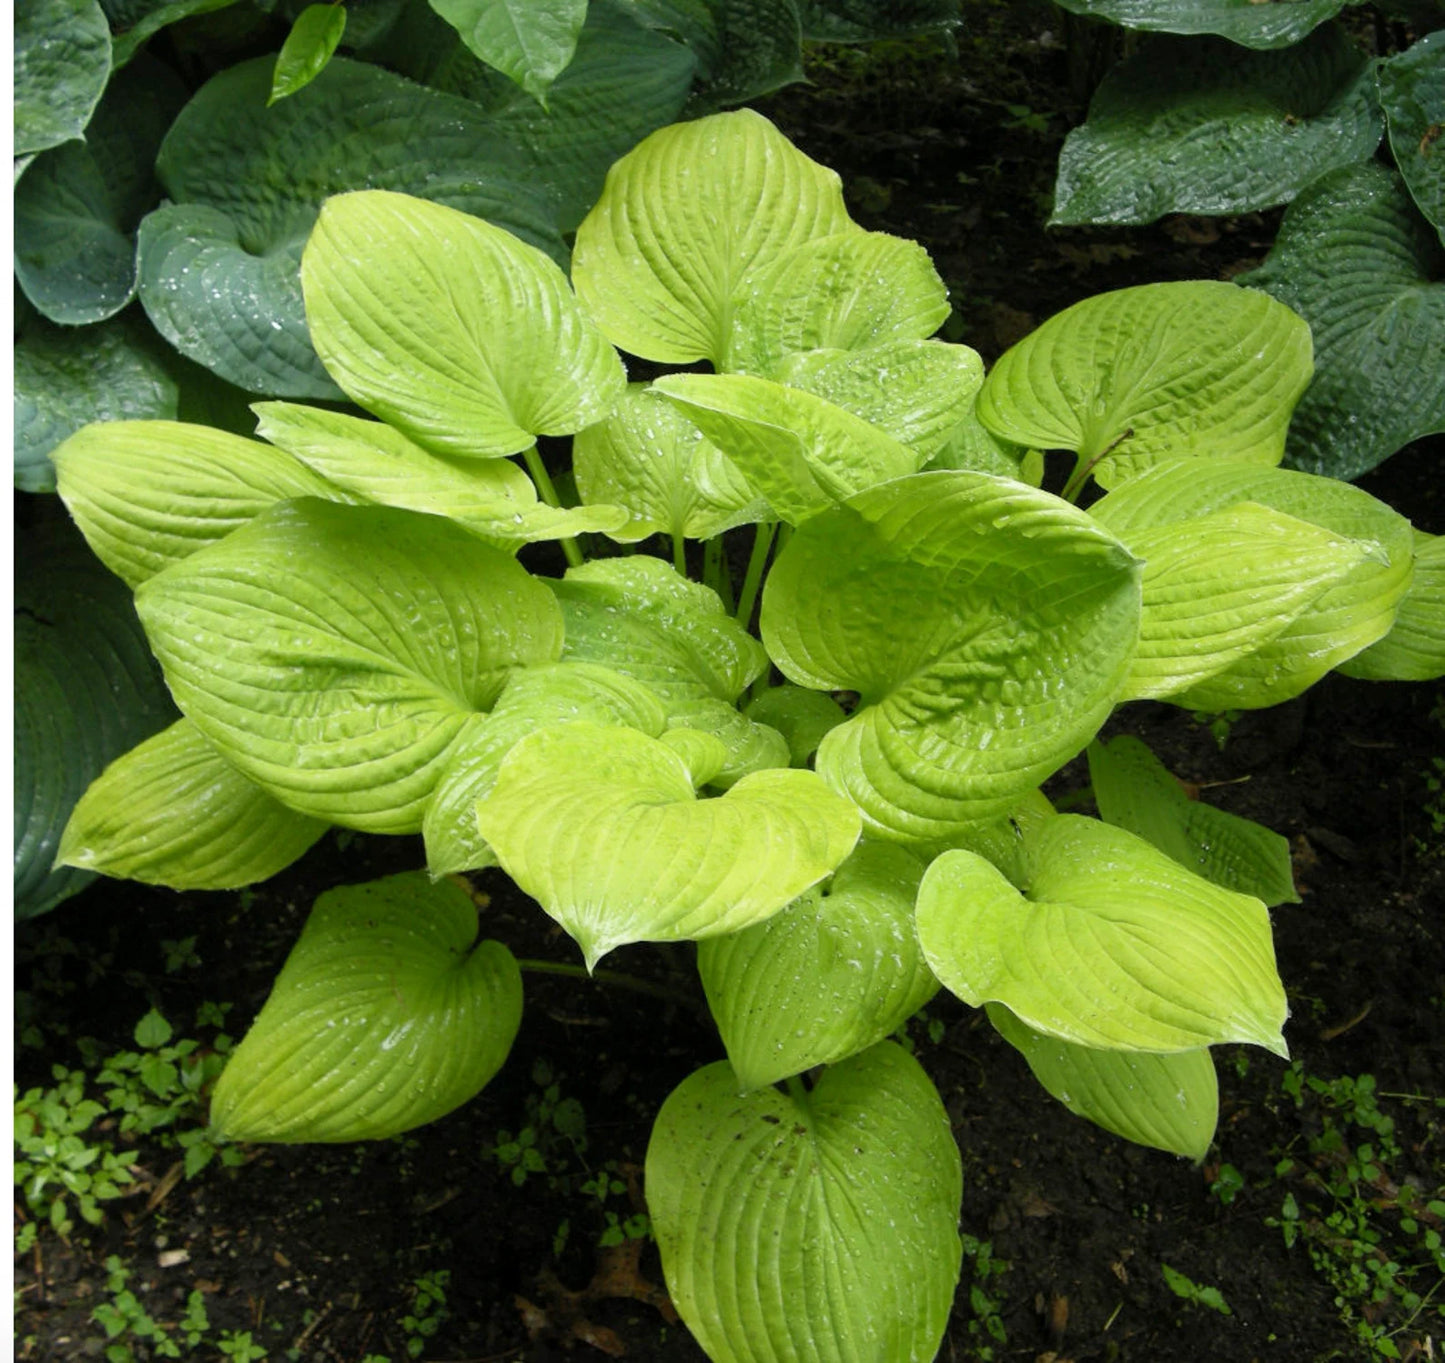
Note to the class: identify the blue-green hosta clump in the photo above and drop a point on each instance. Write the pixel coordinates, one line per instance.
(826, 773)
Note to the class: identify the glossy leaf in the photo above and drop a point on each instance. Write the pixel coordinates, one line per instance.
(388, 1014)
(308, 47)
(531, 41)
(803, 717)
(819, 1224)
(1412, 91)
(1414, 649)
(1245, 22)
(61, 64)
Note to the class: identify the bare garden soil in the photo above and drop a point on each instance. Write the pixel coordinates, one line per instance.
(317, 1250)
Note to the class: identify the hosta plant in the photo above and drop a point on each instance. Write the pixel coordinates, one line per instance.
(824, 767)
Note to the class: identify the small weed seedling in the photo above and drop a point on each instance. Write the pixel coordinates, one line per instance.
(985, 1297)
(1190, 1290)
(428, 1310)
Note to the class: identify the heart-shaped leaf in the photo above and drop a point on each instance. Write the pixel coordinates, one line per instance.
(1245, 22)
(986, 626)
(174, 812)
(601, 826)
(1412, 91)
(531, 41)
(388, 1014)
(1169, 1102)
(803, 717)
(835, 972)
(1114, 945)
(62, 62)
(687, 221)
(1200, 125)
(759, 49)
(1358, 262)
(818, 1224)
(1127, 378)
(1414, 649)
(333, 653)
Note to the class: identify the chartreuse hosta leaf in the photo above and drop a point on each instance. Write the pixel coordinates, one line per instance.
(1169, 1102)
(1412, 90)
(1127, 378)
(687, 222)
(800, 715)
(647, 457)
(1113, 945)
(1414, 649)
(1241, 21)
(802, 453)
(835, 972)
(388, 1014)
(530, 40)
(1135, 791)
(464, 338)
(174, 812)
(333, 653)
(602, 827)
(813, 1226)
(1355, 258)
(531, 699)
(151, 493)
(850, 291)
(985, 625)
(308, 47)
(642, 618)
(371, 461)
(1201, 125)
(1218, 587)
(1354, 612)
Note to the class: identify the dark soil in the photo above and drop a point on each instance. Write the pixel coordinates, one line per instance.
(315, 1250)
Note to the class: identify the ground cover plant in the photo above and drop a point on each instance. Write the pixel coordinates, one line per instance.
(343, 616)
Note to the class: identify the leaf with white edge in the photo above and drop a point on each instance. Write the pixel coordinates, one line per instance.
(639, 616)
(601, 826)
(532, 698)
(1412, 91)
(837, 971)
(687, 222)
(373, 462)
(987, 627)
(1135, 791)
(1354, 257)
(1200, 125)
(219, 265)
(86, 690)
(1114, 945)
(151, 493)
(647, 457)
(68, 377)
(802, 453)
(1414, 649)
(1168, 1102)
(850, 291)
(817, 1225)
(530, 41)
(61, 64)
(308, 47)
(1198, 368)
(1220, 586)
(388, 1014)
(174, 812)
(1348, 617)
(919, 392)
(333, 653)
(803, 717)
(464, 338)
(1246, 22)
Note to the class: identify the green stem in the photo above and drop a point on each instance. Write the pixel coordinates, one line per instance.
(679, 554)
(714, 571)
(548, 494)
(797, 1090)
(657, 991)
(752, 580)
(1084, 466)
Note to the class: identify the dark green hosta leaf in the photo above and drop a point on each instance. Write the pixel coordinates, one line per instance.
(308, 47)
(77, 207)
(464, 338)
(1246, 22)
(1127, 378)
(1159, 959)
(864, 21)
(1358, 262)
(835, 972)
(218, 266)
(334, 653)
(174, 812)
(986, 626)
(66, 378)
(817, 1225)
(1412, 90)
(1169, 1102)
(1414, 649)
(388, 1014)
(86, 690)
(62, 62)
(1135, 791)
(133, 21)
(600, 824)
(531, 41)
(1203, 126)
